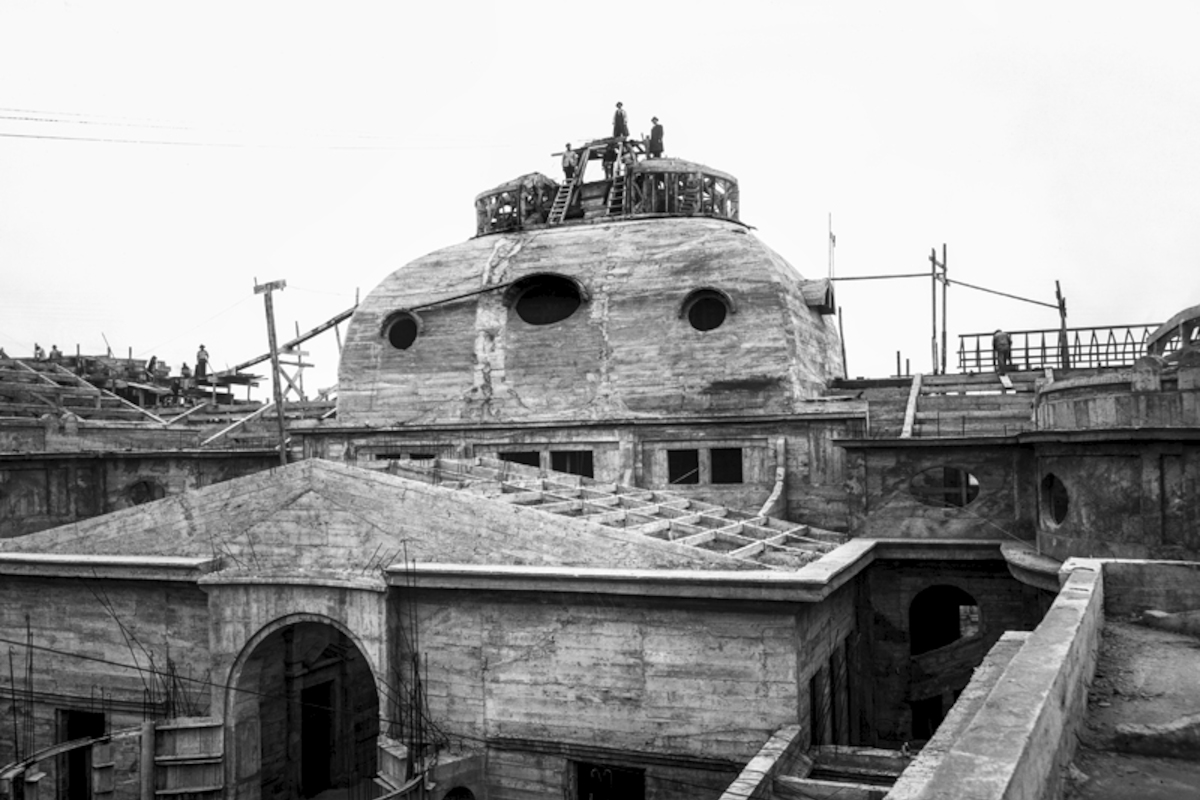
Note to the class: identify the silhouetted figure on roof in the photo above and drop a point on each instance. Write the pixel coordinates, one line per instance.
(38, 353)
(620, 123)
(656, 139)
(1002, 347)
(55, 354)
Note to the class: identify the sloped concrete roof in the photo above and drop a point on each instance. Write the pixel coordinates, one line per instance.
(328, 517)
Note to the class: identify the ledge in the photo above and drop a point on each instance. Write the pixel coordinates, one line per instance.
(142, 568)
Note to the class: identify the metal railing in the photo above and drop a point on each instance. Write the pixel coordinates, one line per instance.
(1107, 346)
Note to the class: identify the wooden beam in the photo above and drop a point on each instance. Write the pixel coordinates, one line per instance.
(910, 413)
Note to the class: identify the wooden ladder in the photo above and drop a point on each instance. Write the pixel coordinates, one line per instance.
(562, 200)
(616, 195)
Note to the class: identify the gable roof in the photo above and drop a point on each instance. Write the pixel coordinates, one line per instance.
(329, 517)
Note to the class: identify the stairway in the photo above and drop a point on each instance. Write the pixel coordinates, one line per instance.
(973, 405)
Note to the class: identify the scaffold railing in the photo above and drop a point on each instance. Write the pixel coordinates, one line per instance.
(1105, 346)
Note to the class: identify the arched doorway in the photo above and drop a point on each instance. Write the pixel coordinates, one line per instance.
(945, 645)
(304, 712)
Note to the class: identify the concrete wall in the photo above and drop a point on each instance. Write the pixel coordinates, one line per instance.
(1125, 499)
(686, 690)
(882, 502)
(814, 491)
(169, 622)
(41, 491)
(1004, 604)
(1022, 737)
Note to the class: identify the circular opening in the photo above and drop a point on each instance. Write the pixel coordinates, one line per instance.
(707, 313)
(1054, 499)
(401, 330)
(944, 487)
(548, 299)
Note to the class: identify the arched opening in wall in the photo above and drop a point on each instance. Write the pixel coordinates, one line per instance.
(305, 715)
(941, 615)
(401, 329)
(545, 299)
(1055, 501)
(946, 641)
(144, 491)
(944, 487)
(460, 793)
(706, 309)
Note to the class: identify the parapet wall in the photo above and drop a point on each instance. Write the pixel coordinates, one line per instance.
(1018, 744)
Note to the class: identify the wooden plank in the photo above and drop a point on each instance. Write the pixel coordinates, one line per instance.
(910, 410)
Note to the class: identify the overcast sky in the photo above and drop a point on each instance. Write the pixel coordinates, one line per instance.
(157, 158)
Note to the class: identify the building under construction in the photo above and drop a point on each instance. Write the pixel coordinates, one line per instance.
(596, 513)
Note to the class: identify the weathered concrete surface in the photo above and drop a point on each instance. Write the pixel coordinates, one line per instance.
(893, 583)
(325, 517)
(41, 490)
(924, 766)
(1019, 743)
(626, 352)
(883, 502)
(783, 754)
(1129, 495)
(1143, 706)
(1136, 585)
(1187, 622)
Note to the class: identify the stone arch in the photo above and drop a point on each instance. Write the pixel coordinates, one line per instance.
(302, 711)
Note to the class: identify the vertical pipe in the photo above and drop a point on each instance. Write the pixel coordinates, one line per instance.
(933, 346)
(945, 283)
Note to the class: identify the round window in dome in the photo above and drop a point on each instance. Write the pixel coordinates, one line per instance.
(401, 329)
(546, 299)
(706, 309)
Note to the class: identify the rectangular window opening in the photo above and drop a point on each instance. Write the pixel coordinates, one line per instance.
(726, 464)
(683, 466)
(530, 458)
(603, 782)
(576, 462)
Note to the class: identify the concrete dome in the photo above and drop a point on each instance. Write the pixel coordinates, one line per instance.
(667, 318)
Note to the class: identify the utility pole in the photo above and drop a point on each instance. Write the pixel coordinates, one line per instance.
(265, 290)
(934, 277)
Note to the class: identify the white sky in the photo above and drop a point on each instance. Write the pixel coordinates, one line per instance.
(1039, 141)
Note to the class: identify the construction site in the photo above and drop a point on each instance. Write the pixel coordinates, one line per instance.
(594, 511)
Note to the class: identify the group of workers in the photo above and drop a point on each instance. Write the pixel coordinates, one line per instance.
(620, 128)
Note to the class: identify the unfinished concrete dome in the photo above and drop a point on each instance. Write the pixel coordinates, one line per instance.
(660, 317)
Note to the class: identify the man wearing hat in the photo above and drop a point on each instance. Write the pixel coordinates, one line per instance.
(656, 134)
(201, 363)
(620, 124)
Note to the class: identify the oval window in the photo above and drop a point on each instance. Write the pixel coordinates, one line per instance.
(945, 487)
(548, 299)
(1054, 500)
(401, 330)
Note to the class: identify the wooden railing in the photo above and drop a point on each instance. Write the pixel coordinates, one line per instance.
(1108, 346)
